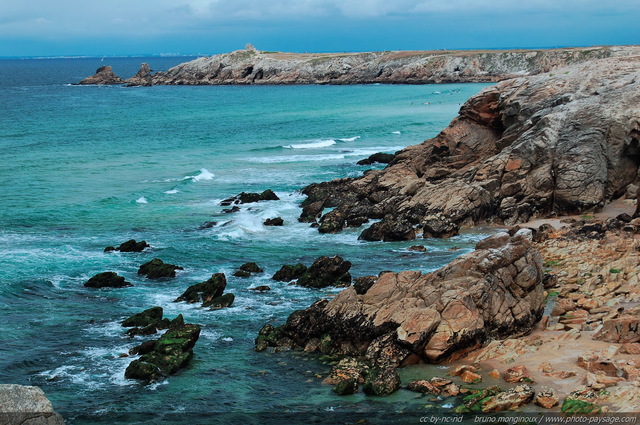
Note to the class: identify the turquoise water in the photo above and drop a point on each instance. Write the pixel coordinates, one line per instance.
(84, 167)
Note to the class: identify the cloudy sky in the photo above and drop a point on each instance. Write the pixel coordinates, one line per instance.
(118, 27)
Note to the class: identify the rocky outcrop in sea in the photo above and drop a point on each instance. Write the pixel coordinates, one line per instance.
(252, 66)
(495, 291)
(557, 143)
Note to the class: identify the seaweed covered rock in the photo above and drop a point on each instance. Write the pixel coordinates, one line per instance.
(206, 291)
(129, 246)
(289, 272)
(170, 353)
(326, 271)
(147, 322)
(158, 269)
(489, 293)
(107, 280)
(222, 301)
(382, 381)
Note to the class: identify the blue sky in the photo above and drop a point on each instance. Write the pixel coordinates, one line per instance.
(118, 27)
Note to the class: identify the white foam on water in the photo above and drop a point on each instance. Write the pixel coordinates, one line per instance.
(172, 191)
(204, 175)
(350, 139)
(227, 339)
(312, 144)
(295, 158)
(396, 132)
(142, 200)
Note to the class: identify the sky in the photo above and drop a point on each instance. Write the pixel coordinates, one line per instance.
(204, 27)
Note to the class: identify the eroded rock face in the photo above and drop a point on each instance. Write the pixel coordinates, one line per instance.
(561, 142)
(103, 76)
(251, 66)
(492, 292)
(142, 78)
(20, 404)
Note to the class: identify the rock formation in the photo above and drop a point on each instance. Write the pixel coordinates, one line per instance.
(107, 280)
(158, 269)
(142, 78)
(20, 404)
(404, 317)
(555, 143)
(251, 66)
(103, 76)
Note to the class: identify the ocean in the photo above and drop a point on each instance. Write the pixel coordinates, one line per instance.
(85, 167)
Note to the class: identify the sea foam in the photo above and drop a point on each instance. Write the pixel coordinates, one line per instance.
(314, 144)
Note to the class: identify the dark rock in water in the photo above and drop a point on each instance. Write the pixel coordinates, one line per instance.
(356, 221)
(222, 301)
(326, 271)
(142, 78)
(381, 158)
(382, 381)
(362, 284)
(241, 273)
(251, 267)
(208, 225)
(158, 269)
(346, 387)
(133, 246)
(289, 272)
(110, 249)
(234, 209)
(171, 352)
(332, 222)
(261, 288)
(107, 280)
(144, 348)
(417, 248)
(278, 221)
(103, 76)
(389, 230)
(149, 316)
(409, 316)
(205, 291)
(250, 197)
(269, 336)
(26, 405)
(311, 212)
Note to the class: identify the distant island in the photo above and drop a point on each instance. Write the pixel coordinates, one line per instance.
(252, 66)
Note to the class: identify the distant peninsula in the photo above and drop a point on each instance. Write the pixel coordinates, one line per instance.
(252, 66)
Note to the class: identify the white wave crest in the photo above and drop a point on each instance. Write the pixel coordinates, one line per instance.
(172, 191)
(204, 175)
(142, 200)
(396, 132)
(314, 144)
(350, 139)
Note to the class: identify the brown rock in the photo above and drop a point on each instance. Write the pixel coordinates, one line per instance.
(470, 377)
(103, 76)
(547, 398)
(494, 374)
(451, 390)
(517, 374)
(423, 386)
(633, 348)
(624, 329)
(509, 400)
(459, 370)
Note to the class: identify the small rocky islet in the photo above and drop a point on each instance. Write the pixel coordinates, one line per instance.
(562, 142)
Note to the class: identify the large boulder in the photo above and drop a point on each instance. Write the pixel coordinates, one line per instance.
(107, 280)
(206, 291)
(326, 271)
(554, 143)
(103, 76)
(129, 246)
(493, 292)
(158, 269)
(20, 404)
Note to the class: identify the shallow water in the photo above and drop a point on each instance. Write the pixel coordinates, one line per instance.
(85, 167)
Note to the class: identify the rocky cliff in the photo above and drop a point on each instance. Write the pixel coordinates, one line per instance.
(251, 66)
(21, 404)
(493, 292)
(556, 143)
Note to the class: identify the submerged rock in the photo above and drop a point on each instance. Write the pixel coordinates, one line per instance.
(107, 280)
(489, 293)
(326, 271)
(158, 269)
